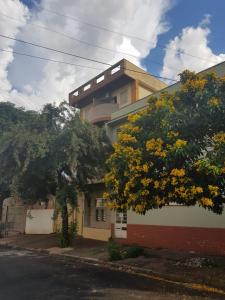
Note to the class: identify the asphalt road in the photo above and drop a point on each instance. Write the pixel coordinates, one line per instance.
(26, 275)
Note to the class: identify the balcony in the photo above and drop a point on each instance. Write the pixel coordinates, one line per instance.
(101, 112)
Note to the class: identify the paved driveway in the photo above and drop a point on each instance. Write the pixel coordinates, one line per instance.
(26, 275)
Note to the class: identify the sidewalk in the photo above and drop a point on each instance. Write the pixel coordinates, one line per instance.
(177, 267)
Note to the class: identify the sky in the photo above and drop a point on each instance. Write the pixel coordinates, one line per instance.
(163, 37)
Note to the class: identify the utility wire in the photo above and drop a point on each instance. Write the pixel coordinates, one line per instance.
(85, 42)
(55, 50)
(71, 37)
(81, 57)
(117, 32)
(48, 59)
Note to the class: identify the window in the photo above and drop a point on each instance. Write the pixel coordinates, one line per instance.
(123, 97)
(76, 93)
(114, 70)
(100, 210)
(100, 215)
(121, 217)
(87, 87)
(100, 79)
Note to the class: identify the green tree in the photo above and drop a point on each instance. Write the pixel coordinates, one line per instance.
(51, 152)
(173, 151)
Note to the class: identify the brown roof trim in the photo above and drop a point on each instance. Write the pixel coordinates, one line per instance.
(94, 85)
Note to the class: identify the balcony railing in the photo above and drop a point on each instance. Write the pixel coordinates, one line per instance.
(112, 73)
(101, 112)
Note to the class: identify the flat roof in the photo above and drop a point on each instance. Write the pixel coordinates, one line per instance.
(122, 69)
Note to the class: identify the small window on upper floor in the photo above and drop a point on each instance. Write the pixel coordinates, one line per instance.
(123, 97)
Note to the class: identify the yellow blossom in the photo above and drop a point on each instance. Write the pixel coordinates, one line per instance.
(134, 117)
(106, 195)
(126, 138)
(144, 192)
(214, 102)
(214, 190)
(112, 204)
(160, 103)
(177, 172)
(174, 181)
(196, 190)
(219, 137)
(132, 197)
(156, 184)
(180, 143)
(172, 134)
(159, 201)
(206, 201)
(197, 84)
(146, 181)
(163, 184)
(145, 168)
(139, 208)
(130, 128)
(155, 145)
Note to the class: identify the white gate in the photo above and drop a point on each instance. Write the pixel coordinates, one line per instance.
(120, 230)
(39, 221)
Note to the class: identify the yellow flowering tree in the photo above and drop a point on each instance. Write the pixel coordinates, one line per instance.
(172, 151)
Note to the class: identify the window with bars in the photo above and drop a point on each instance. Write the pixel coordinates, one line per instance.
(100, 215)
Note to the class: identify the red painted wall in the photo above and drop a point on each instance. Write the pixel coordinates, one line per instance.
(200, 240)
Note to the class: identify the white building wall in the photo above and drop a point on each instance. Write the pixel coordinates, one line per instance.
(192, 216)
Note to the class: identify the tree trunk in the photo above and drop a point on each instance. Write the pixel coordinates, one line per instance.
(65, 240)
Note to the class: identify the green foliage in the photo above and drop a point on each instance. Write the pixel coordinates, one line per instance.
(173, 151)
(117, 251)
(114, 251)
(72, 234)
(49, 153)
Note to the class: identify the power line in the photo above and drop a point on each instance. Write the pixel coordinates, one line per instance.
(54, 50)
(67, 63)
(48, 59)
(81, 57)
(117, 32)
(84, 42)
(71, 37)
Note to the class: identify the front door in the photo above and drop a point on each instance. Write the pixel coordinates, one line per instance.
(121, 225)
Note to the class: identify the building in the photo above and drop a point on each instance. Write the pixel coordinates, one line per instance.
(119, 86)
(30, 219)
(108, 99)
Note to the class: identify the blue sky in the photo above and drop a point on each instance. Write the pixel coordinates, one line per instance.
(187, 13)
(170, 27)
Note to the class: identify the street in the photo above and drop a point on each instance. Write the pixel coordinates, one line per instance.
(27, 275)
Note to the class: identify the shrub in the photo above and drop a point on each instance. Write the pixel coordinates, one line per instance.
(114, 251)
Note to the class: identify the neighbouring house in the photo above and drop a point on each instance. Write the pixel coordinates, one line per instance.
(108, 99)
(117, 87)
(29, 219)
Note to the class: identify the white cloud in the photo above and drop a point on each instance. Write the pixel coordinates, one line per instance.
(32, 83)
(190, 50)
(11, 29)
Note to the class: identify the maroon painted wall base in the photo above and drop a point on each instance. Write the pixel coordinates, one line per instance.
(198, 239)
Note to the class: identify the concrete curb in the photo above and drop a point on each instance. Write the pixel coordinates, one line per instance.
(125, 268)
